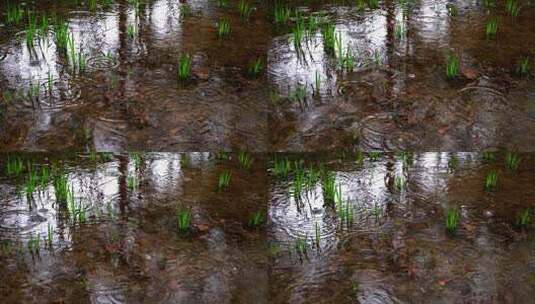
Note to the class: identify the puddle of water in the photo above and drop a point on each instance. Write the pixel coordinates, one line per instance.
(396, 97)
(113, 235)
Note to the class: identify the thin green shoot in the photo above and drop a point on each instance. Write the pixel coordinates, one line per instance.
(317, 234)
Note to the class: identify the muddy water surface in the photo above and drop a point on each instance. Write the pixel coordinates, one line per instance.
(115, 239)
(396, 97)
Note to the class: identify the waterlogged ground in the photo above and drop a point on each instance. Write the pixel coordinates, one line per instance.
(82, 220)
(395, 96)
(115, 239)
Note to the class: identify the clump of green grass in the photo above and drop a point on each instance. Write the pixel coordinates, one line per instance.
(399, 183)
(185, 10)
(33, 93)
(183, 219)
(489, 3)
(452, 220)
(329, 37)
(78, 59)
(281, 14)
(491, 181)
(136, 159)
(312, 26)
(34, 243)
(452, 66)
(132, 182)
(452, 9)
(61, 187)
(373, 4)
(255, 67)
(491, 28)
(137, 5)
(245, 9)
(523, 67)
(76, 211)
(7, 96)
(245, 160)
(512, 160)
(222, 3)
(406, 158)
(92, 4)
(453, 163)
(14, 166)
(374, 156)
(523, 219)
(222, 156)
(301, 247)
(298, 33)
(344, 210)
(32, 182)
(298, 95)
(489, 157)
(399, 30)
(131, 31)
(44, 177)
(298, 184)
(61, 35)
(14, 14)
(512, 8)
(185, 161)
(281, 167)
(184, 67)
(43, 27)
(328, 186)
(223, 181)
(312, 176)
(346, 61)
(257, 219)
(223, 28)
(31, 30)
